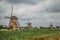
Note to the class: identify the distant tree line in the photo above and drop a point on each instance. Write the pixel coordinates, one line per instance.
(3, 26)
(41, 27)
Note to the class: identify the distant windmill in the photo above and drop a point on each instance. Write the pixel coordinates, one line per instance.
(13, 23)
(29, 25)
(51, 25)
(51, 17)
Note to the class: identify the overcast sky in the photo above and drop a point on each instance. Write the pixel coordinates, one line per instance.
(40, 12)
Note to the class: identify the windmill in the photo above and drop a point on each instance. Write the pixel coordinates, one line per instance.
(51, 25)
(51, 17)
(13, 23)
(29, 25)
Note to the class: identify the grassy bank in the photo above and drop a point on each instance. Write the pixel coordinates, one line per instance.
(25, 34)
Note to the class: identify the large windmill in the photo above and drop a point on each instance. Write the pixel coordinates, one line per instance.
(13, 23)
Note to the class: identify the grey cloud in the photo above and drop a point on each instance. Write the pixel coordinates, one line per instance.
(3, 7)
(55, 7)
(0, 0)
(1, 10)
(24, 1)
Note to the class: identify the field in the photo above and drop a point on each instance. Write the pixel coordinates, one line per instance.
(28, 34)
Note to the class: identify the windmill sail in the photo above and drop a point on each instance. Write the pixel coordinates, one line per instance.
(12, 11)
(28, 20)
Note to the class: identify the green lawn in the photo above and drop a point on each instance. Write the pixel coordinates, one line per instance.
(17, 35)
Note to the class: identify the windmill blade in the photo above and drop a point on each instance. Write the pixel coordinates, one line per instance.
(20, 18)
(1, 17)
(18, 23)
(7, 17)
(12, 11)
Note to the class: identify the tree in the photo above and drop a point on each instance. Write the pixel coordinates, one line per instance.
(57, 26)
(1, 26)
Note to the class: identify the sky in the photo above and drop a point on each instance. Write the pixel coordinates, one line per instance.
(40, 12)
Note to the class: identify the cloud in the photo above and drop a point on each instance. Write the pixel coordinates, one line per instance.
(0, 0)
(54, 7)
(24, 1)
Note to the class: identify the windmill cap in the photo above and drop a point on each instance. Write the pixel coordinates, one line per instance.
(14, 17)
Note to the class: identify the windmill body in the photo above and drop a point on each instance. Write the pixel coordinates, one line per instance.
(51, 25)
(13, 23)
(29, 26)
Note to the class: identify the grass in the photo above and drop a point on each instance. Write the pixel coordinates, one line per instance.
(25, 34)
